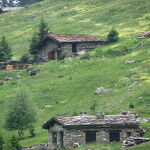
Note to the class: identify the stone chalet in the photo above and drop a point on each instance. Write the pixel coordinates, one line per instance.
(68, 44)
(66, 131)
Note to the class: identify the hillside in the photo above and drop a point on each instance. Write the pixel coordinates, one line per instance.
(69, 85)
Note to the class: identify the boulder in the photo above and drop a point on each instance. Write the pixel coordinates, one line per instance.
(144, 35)
(48, 106)
(33, 72)
(130, 61)
(102, 90)
(1, 82)
(8, 78)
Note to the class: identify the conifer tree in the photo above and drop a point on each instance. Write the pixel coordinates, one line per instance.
(38, 38)
(113, 35)
(5, 50)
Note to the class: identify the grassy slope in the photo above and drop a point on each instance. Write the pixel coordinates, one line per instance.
(74, 91)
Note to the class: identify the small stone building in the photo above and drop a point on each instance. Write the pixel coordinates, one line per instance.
(66, 131)
(68, 44)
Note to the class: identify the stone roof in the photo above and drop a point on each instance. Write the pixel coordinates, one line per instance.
(65, 38)
(87, 120)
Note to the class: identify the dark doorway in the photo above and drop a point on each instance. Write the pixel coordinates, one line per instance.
(51, 55)
(74, 48)
(61, 139)
(90, 136)
(114, 135)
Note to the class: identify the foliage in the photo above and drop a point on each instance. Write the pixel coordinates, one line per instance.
(25, 58)
(1, 142)
(85, 56)
(113, 35)
(14, 143)
(131, 105)
(20, 115)
(32, 131)
(5, 50)
(93, 107)
(62, 56)
(38, 38)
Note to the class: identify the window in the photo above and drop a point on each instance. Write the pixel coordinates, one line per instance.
(114, 135)
(90, 136)
(59, 45)
(128, 134)
(54, 137)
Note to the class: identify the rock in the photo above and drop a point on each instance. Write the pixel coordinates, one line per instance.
(8, 78)
(37, 147)
(33, 72)
(1, 82)
(75, 145)
(131, 141)
(65, 7)
(144, 119)
(130, 61)
(48, 106)
(102, 90)
(144, 35)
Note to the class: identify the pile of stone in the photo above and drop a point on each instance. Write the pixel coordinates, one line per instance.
(131, 141)
(37, 147)
(144, 35)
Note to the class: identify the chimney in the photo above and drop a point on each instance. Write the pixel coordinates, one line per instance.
(100, 115)
(83, 113)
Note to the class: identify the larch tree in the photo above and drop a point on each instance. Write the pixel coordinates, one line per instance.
(21, 114)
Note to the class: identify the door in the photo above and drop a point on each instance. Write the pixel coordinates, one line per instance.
(114, 135)
(61, 139)
(90, 136)
(74, 48)
(51, 55)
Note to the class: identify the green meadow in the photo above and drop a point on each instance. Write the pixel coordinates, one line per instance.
(69, 85)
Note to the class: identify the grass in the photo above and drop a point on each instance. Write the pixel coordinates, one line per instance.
(69, 85)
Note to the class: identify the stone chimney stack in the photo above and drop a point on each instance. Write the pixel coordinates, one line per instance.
(100, 115)
(83, 113)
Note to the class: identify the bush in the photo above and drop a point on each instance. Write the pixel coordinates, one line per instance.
(25, 58)
(62, 56)
(1, 142)
(32, 131)
(14, 143)
(113, 35)
(131, 105)
(85, 56)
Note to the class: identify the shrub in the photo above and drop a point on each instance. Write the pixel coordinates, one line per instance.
(113, 35)
(85, 56)
(1, 142)
(131, 105)
(25, 58)
(32, 131)
(62, 56)
(14, 143)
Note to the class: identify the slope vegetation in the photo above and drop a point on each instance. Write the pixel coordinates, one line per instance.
(69, 86)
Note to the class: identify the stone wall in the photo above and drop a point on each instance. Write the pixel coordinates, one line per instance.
(37, 147)
(66, 48)
(77, 135)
